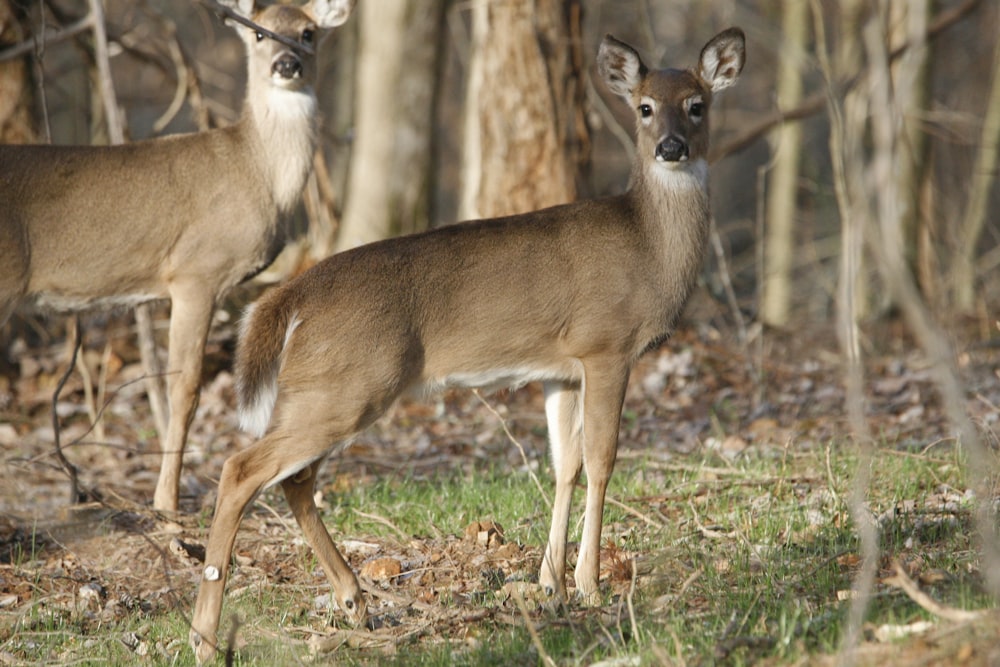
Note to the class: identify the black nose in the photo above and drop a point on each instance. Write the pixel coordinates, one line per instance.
(287, 67)
(672, 149)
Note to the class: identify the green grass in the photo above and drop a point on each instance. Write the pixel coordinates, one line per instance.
(739, 561)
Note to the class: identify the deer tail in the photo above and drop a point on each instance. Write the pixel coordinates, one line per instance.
(265, 330)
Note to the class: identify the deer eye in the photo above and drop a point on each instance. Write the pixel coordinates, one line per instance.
(645, 110)
(697, 110)
(260, 36)
(307, 36)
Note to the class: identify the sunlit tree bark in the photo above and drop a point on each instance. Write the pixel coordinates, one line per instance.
(524, 132)
(388, 185)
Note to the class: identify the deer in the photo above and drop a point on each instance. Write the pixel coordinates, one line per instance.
(184, 217)
(569, 296)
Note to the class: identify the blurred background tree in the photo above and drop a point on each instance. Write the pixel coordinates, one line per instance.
(17, 117)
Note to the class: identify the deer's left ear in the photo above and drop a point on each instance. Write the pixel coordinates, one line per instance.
(722, 59)
(331, 13)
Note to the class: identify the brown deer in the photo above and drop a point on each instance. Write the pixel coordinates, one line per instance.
(184, 217)
(570, 296)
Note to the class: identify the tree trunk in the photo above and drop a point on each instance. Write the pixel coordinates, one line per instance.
(984, 176)
(524, 129)
(854, 266)
(908, 21)
(786, 142)
(388, 191)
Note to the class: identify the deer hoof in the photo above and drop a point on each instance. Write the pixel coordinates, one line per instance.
(591, 599)
(203, 650)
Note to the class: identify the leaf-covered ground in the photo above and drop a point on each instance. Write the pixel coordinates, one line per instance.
(110, 568)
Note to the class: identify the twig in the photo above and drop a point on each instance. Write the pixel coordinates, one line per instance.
(630, 601)
(90, 401)
(71, 470)
(708, 532)
(382, 520)
(232, 15)
(634, 512)
(520, 448)
(535, 639)
(727, 282)
(183, 82)
(830, 478)
(688, 583)
(43, 98)
(902, 581)
(152, 370)
(32, 44)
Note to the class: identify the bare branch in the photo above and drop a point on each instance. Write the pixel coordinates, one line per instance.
(29, 45)
(902, 581)
(817, 101)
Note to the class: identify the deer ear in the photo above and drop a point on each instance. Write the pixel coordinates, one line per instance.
(722, 59)
(244, 8)
(331, 13)
(620, 66)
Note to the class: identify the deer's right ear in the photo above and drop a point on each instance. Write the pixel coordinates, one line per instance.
(620, 66)
(244, 8)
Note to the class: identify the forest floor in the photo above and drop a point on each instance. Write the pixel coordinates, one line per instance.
(711, 428)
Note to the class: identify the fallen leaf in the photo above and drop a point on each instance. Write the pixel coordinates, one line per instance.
(381, 569)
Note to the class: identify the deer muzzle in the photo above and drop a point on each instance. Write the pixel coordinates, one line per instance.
(287, 66)
(672, 149)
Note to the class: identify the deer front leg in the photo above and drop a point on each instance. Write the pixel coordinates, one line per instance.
(190, 318)
(603, 395)
(562, 412)
(299, 492)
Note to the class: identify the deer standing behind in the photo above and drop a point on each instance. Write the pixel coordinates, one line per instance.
(184, 217)
(570, 296)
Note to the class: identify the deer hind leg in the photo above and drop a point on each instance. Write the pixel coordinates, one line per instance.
(190, 318)
(244, 475)
(305, 426)
(299, 492)
(562, 412)
(603, 394)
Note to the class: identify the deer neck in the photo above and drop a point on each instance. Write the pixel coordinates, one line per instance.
(673, 206)
(282, 125)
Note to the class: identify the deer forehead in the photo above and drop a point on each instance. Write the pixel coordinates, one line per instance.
(284, 19)
(671, 87)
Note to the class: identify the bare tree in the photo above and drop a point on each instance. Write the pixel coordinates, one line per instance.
(522, 117)
(868, 134)
(908, 21)
(388, 185)
(984, 177)
(782, 191)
